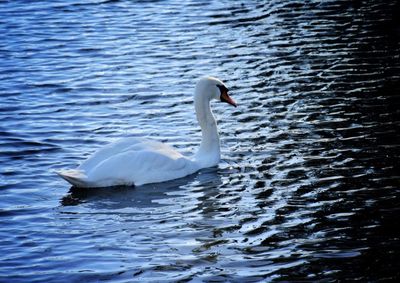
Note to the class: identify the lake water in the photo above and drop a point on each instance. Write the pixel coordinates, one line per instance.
(308, 187)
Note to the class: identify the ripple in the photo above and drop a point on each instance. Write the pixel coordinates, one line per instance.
(308, 185)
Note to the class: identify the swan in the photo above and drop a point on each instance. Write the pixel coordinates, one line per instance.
(137, 161)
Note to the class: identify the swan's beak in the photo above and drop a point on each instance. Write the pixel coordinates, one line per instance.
(226, 98)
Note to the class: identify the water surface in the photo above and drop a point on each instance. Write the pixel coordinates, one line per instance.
(308, 188)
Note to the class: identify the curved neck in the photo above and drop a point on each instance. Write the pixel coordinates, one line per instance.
(209, 152)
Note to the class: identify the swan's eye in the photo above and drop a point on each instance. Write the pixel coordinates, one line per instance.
(222, 89)
(224, 95)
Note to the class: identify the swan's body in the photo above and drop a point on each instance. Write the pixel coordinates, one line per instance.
(133, 161)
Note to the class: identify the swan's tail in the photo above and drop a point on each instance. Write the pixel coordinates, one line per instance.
(75, 177)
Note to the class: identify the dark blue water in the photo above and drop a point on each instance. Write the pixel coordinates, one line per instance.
(309, 185)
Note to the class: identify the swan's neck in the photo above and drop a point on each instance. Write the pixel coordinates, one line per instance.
(209, 152)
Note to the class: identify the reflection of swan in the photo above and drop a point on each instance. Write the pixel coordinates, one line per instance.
(135, 161)
(120, 197)
(146, 196)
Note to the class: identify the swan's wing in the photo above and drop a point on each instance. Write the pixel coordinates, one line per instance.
(107, 151)
(119, 147)
(157, 163)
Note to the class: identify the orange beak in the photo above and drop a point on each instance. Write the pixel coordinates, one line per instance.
(226, 98)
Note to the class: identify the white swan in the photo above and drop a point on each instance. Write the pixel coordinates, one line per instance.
(133, 161)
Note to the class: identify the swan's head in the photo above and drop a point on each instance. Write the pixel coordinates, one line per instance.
(212, 88)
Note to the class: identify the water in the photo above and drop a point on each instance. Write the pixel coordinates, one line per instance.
(308, 188)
